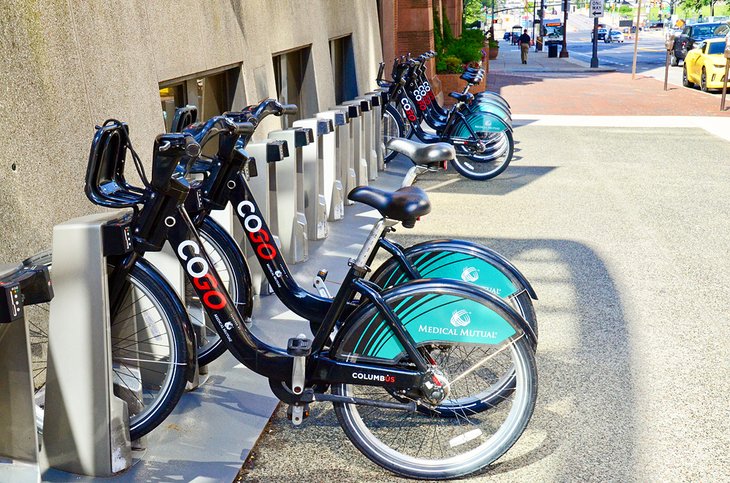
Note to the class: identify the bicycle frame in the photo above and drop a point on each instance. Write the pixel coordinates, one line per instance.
(272, 362)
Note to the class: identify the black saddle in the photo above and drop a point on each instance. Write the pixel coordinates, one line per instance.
(462, 97)
(421, 153)
(404, 205)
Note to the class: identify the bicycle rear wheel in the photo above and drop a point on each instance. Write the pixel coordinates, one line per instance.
(480, 166)
(426, 445)
(493, 388)
(149, 351)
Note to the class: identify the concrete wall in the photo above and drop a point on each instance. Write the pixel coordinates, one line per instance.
(67, 65)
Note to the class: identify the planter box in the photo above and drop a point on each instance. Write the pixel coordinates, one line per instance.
(452, 82)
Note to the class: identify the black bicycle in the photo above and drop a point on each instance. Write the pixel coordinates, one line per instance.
(454, 259)
(407, 365)
(483, 140)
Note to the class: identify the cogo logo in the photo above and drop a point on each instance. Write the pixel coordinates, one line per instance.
(198, 268)
(409, 109)
(252, 223)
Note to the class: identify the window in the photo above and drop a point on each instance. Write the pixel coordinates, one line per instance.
(343, 68)
(212, 93)
(295, 83)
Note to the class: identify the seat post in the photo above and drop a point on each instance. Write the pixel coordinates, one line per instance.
(372, 241)
(414, 172)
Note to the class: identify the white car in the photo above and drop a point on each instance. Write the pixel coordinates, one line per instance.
(614, 36)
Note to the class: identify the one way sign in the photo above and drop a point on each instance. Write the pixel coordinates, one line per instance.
(597, 8)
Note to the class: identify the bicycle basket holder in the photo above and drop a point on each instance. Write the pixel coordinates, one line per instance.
(184, 116)
(105, 182)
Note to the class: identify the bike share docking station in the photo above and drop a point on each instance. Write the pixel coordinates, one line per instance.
(19, 458)
(86, 426)
(376, 160)
(313, 171)
(346, 148)
(371, 102)
(261, 154)
(339, 145)
(288, 218)
(357, 130)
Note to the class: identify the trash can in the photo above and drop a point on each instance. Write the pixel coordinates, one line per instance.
(552, 50)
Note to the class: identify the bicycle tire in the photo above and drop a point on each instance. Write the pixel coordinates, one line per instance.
(481, 168)
(154, 406)
(465, 444)
(231, 266)
(391, 126)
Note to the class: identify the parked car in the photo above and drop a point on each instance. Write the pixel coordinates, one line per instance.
(696, 33)
(601, 34)
(614, 36)
(705, 65)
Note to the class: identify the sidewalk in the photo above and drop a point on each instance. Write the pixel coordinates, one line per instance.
(570, 87)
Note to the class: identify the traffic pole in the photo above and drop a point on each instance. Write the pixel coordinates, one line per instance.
(636, 41)
(594, 59)
(724, 85)
(666, 71)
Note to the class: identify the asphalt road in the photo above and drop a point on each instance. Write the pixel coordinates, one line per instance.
(624, 236)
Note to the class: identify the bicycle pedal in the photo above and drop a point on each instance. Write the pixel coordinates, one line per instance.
(296, 413)
(299, 347)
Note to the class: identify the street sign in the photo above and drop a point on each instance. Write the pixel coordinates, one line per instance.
(597, 8)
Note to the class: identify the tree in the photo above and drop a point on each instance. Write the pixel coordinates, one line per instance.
(474, 10)
(697, 5)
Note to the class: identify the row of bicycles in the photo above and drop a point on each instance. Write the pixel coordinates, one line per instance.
(427, 358)
(478, 126)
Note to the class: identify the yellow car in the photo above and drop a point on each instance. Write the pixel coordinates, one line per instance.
(705, 65)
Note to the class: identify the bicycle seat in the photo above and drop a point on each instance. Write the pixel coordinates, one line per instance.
(421, 153)
(462, 97)
(404, 205)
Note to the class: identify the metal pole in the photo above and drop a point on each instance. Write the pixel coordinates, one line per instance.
(534, 6)
(594, 59)
(666, 71)
(564, 49)
(542, 19)
(724, 85)
(636, 41)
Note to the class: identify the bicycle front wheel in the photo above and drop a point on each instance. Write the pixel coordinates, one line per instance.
(234, 273)
(391, 127)
(481, 166)
(148, 349)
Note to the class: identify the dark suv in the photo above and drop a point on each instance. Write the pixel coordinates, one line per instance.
(698, 32)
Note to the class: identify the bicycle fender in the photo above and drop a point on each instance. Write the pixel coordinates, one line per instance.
(191, 364)
(459, 260)
(433, 312)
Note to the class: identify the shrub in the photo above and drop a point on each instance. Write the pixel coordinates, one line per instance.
(449, 64)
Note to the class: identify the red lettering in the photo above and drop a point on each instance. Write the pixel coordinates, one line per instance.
(206, 282)
(211, 303)
(259, 237)
(266, 251)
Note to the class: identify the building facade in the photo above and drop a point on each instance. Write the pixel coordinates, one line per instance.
(68, 66)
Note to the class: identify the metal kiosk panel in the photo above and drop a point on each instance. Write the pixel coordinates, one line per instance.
(358, 132)
(315, 204)
(289, 222)
(347, 162)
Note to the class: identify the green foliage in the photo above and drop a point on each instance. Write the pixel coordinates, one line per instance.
(438, 40)
(626, 11)
(468, 48)
(449, 64)
(473, 10)
(454, 53)
(448, 33)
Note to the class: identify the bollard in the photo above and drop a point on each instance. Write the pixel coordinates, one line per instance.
(333, 190)
(85, 427)
(357, 131)
(257, 177)
(289, 222)
(346, 155)
(315, 204)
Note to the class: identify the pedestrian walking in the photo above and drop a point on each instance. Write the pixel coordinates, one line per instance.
(524, 42)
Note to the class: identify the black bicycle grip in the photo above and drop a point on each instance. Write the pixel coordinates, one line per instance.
(244, 128)
(289, 109)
